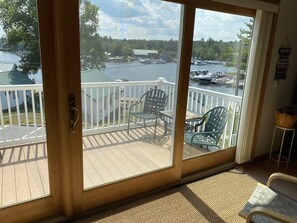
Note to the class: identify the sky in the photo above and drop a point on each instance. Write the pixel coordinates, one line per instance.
(155, 19)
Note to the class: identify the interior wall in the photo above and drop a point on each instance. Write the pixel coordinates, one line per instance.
(284, 94)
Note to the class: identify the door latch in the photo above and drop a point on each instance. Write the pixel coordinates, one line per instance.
(73, 113)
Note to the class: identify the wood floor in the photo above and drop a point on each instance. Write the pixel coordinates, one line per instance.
(107, 157)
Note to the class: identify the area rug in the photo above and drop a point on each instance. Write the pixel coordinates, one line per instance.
(218, 198)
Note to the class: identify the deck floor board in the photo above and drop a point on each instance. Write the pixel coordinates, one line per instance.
(22, 183)
(8, 175)
(34, 175)
(91, 169)
(43, 166)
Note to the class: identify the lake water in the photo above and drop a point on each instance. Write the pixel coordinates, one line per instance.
(135, 71)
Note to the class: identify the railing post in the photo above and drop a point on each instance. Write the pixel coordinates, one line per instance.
(160, 83)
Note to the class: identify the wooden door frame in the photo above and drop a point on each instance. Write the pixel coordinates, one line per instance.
(51, 205)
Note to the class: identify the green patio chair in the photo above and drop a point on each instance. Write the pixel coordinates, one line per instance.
(213, 122)
(154, 100)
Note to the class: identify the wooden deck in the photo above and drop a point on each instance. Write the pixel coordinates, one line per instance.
(23, 173)
(107, 157)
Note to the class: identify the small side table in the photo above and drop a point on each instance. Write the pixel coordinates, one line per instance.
(281, 146)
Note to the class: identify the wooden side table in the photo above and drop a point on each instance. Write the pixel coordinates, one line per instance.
(281, 146)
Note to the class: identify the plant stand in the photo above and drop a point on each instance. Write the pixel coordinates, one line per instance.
(278, 158)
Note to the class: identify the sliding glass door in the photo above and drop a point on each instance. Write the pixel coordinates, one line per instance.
(221, 44)
(120, 136)
(29, 153)
(128, 74)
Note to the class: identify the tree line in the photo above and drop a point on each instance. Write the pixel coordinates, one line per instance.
(209, 49)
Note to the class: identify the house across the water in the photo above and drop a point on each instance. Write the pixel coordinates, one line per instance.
(94, 101)
(12, 98)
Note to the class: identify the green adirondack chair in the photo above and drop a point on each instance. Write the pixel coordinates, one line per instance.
(154, 100)
(214, 122)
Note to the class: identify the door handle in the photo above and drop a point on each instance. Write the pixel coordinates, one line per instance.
(73, 113)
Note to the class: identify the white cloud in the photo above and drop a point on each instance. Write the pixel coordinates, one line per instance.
(126, 3)
(218, 26)
(155, 19)
(225, 17)
(152, 21)
(172, 24)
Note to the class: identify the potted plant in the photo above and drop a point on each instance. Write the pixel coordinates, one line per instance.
(286, 117)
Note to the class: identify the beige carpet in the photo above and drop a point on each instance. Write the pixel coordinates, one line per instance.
(215, 199)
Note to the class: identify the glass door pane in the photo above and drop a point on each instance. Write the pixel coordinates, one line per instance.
(218, 68)
(128, 73)
(23, 154)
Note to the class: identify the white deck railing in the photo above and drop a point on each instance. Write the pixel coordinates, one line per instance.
(105, 107)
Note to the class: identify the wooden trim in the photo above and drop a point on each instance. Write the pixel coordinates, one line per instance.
(63, 126)
(217, 6)
(203, 162)
(74, 79)
(184, 66)
(50, 90)
(68, 66)
(225, 8)
(30, 211)
(252, 4)
(264, 83)
(276, 2)
(128, 188)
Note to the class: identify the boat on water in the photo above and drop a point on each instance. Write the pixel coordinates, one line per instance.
(151, 61)
(205, 78)
(220, 78)
(159, 61)
(198, 61)
(145, 61)
(202, 76)
(194, 75)
(215, 62)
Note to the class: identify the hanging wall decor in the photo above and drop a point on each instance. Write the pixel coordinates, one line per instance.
(283, 60)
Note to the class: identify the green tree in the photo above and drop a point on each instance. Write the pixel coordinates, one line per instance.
(91, 50)
(19, 21)
(20, 24)
(245, 35)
